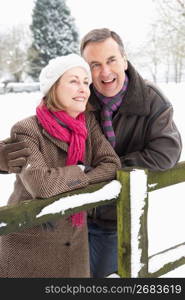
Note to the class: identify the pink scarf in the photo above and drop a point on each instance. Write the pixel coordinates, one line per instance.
(72, 131)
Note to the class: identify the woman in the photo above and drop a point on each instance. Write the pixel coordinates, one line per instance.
(63, 139)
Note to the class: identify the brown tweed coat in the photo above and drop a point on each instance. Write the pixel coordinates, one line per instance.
(63, 250)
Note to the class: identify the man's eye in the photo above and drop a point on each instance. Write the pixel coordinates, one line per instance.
(86, 82)
(94, 66)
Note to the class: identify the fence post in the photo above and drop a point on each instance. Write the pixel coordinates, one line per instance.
(132, 209)
(143, 229)
(124, 225)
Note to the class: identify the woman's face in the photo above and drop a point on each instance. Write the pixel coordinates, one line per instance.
(72, 91)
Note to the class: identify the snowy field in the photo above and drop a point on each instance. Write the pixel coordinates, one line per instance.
(166, 216)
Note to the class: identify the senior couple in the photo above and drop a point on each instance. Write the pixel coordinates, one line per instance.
(82, 133)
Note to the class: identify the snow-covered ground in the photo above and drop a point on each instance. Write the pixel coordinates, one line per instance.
(166, 216)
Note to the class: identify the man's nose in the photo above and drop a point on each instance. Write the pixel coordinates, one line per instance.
(105, 71)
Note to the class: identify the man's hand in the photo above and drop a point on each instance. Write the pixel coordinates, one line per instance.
(13, 155)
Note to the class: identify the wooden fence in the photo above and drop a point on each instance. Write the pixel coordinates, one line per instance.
(132, 210)
(130, 191)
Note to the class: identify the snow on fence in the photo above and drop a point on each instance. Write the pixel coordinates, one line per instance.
(130, 191)
(30, 213)
(132, 210)
(19, 87)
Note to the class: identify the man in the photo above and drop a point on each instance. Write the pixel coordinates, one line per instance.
(136, 118)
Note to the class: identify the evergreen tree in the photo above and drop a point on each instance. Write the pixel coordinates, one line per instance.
(54, 34)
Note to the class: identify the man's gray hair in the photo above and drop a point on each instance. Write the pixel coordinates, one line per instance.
(100, 35)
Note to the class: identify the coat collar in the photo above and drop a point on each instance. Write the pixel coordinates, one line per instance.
(61, 144)
(135, 97)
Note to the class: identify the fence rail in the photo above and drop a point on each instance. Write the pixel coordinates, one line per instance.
(130, 191)
(35, 212)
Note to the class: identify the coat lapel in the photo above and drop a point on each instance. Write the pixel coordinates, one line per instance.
(61, 144)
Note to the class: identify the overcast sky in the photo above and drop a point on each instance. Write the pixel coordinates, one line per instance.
(129, 18)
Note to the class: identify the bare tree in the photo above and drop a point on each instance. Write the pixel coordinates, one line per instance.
(13, 50)
(172, 22)
(162, 56)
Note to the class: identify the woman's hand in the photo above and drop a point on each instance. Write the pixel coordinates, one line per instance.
(13, 155)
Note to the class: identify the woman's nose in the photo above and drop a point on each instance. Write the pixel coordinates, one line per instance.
(82, 88)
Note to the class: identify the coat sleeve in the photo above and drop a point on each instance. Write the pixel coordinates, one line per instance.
(163, 145)
(105, 162)
(40, 180)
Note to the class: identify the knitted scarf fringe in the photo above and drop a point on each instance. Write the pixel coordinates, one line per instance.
(75, 135)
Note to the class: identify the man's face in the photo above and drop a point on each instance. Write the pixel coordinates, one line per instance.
(107, 66)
